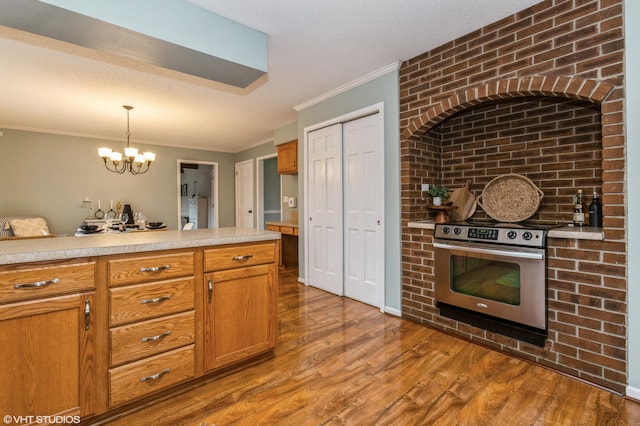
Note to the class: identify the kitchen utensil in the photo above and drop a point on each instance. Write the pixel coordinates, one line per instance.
(464, 203)
(510, 198)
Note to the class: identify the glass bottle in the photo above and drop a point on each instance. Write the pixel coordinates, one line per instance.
(595, 211)
(578, 209)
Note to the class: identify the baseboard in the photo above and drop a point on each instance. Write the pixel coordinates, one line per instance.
(633, 392)
(392, 311)
(301, 280)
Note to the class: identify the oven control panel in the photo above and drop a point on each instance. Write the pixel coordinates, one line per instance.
(500, 235)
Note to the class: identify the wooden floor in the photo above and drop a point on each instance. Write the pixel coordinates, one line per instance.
(342, 362)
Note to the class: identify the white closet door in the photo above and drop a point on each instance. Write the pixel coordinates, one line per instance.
(325, 227)
(363, 211)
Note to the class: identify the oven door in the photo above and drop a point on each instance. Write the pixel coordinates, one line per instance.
(501, 281)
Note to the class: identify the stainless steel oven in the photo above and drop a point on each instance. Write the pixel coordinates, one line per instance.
(498, 271)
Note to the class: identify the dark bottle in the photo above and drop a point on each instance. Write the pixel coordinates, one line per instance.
(595, 212)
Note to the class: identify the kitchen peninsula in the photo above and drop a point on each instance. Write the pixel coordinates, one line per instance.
(98, 325)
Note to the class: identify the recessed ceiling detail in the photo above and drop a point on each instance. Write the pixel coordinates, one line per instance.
(61, 24)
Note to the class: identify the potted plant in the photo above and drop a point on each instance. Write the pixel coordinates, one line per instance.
(438, 192)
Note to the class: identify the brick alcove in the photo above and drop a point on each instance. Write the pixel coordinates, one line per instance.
(565, 297)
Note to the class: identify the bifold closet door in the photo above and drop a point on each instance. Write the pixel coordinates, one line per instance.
(363, 191)
(325, 212)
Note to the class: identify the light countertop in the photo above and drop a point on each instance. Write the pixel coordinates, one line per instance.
(567, 232)
(34, 250)
(291, 223)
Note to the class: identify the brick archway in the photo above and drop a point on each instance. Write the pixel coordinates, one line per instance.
(556, 86)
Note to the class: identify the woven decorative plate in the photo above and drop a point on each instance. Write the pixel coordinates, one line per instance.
(510, 198)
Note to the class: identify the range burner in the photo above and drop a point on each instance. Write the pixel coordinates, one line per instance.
(520, 234)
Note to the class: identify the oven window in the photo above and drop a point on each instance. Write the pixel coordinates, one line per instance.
(487, 279)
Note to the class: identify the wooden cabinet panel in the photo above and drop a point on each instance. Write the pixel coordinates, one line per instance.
(132, 270)
(273, 228)
(45, 279)
(146, 301)
(150, 375)
(238, 256)
(288, 157)
(240, 316)
(48, 357)
(139, 340)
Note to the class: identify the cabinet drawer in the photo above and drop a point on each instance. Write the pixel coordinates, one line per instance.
(143, 339)
(132, 270)
(146, 301)
(288, 230)
(273, 228)
(149, 375)
(238, 256)
(34, 281)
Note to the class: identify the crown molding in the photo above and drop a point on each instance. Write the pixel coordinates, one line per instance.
(346, 87)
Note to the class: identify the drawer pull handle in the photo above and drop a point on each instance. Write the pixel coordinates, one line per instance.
(156, 300)
(210, 289)
(156, 338)
(155, 376)
(156, 268)
(245, 257)
(37, 284)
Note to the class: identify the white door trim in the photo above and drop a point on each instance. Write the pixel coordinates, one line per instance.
(213, 197)
(372, 109)
(260, 189)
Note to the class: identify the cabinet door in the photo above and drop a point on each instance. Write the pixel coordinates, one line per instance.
(240, 315)
(47, 360)
(288, 157)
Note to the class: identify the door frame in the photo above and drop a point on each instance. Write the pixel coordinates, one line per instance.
(350, 116)
(213, 197)
(260, 189)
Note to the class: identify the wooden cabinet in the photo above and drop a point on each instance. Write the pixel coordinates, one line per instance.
(240, 308)
(288, 157)
(47, 339)
(288, 243)
(152, 323)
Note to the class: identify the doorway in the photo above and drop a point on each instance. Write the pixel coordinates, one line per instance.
(269, 190)
(344, 191)
(197, 194)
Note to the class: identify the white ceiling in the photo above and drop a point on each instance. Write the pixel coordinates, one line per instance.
(315, 46)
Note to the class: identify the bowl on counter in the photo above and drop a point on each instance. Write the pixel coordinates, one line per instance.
(89, 228)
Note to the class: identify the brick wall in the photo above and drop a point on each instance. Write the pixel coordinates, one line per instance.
(556, 69)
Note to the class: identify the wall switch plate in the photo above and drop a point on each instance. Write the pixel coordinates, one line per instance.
(425, 187)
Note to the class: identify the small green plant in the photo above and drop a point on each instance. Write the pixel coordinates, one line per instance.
(439, 191)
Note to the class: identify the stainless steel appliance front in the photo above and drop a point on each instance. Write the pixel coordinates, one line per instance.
(507, 282)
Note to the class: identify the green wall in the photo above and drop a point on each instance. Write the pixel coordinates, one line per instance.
(632, 120)
(383, 89)
(50, 175)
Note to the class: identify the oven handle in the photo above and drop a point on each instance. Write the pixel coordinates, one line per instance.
(506, 253)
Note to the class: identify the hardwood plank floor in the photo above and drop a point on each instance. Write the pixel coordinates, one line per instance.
(340, 362)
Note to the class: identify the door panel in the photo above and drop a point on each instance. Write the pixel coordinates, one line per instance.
(325, 209)
(364, 206)
(244, 194)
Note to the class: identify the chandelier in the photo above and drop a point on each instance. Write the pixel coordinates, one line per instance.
(133, 162)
